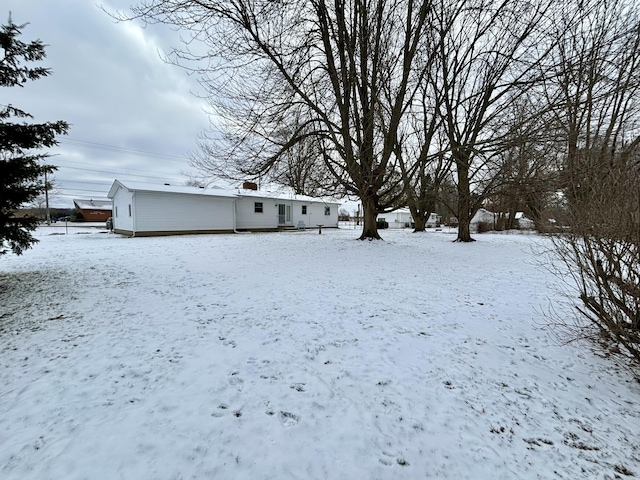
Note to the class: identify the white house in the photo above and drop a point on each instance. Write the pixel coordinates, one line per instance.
(525, 223)
(491, 219)
(142, 209)
(483, 215)
(402, 218)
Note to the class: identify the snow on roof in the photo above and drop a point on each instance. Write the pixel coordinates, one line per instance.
(401, 210)
(283, 196)
(215, 192)
(92, 204)
(156, 187)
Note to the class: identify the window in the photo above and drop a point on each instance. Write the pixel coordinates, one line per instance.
(129, 209)
(257, 207)
(304, 209)
(327, 210)
(116, 211)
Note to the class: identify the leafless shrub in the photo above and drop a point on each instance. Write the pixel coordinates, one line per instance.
(596, 96)
(602, 253)
(484, 227)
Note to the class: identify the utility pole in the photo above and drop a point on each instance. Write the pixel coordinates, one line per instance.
(46, 198)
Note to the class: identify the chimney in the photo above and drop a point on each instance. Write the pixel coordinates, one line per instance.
(250, 186)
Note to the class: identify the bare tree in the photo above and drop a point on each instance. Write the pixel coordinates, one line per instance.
(232, 156)
(489, 55)
(595, 86)
(41, 202)
(300, 170)
(527, 177)
(596, 94)
(422, 153)
(424, 188)
(326, 63)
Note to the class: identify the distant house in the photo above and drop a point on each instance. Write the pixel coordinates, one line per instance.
(141, 209)
(524, 223)
(93, 210)
(484, 216)
(495, 220)
(401, 218)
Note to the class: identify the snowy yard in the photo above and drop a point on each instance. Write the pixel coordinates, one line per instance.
(298, 356)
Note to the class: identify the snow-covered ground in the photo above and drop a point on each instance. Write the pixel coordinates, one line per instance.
(300, 356)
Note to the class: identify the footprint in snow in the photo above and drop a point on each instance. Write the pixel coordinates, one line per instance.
(288, 419)
(389, 459)
(227, 343)
(236, 381)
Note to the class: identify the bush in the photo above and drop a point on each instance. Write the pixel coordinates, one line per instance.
(601, 253)
(484, 227)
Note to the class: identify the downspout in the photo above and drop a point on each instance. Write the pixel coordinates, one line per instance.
(133, 215)
(235, 218)
(235, 230)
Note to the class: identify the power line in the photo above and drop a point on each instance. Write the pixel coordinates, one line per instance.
(62, 180)
(125, 174)
(66, 190)
(120, 173)
(114, 148)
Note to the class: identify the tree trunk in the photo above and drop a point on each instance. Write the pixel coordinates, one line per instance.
(464, 202)
(420, 223)
(511, 221)
(370, 213)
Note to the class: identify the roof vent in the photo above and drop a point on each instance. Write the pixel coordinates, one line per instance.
(250, 186)
(168, 184)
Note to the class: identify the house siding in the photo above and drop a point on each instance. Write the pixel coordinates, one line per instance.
(121, 201)
(158, 212)
(248, 219)
(315, 214)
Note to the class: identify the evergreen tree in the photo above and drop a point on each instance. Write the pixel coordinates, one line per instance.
(21, 167)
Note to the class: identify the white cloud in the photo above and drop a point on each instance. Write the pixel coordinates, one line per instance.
(110, 83)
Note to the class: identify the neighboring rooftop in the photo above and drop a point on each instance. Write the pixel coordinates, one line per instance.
(93, 204)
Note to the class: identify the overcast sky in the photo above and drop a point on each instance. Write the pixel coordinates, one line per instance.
(132, 116)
